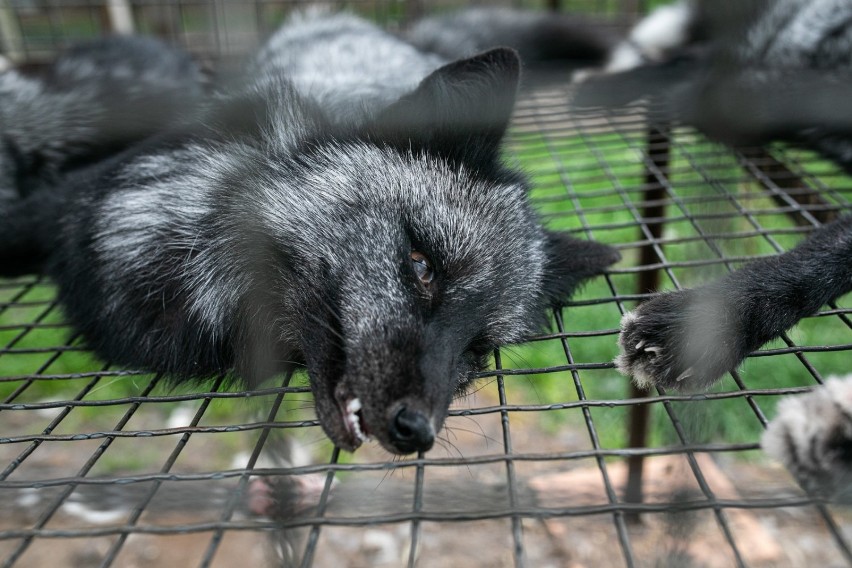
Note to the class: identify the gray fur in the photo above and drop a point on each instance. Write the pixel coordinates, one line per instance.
(464, 33)
(329, 57)
(799, 34)
(30, 116)
(812, 436)
(779, 34)
(542, 38)
(93, 101)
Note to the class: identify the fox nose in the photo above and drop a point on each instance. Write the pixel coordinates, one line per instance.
(411, 431)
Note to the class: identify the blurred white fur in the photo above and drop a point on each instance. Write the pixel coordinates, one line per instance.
(661, 31)
(812, 436)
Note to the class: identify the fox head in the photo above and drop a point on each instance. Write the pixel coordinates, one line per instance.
(400, 253)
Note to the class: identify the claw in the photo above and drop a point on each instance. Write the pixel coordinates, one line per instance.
(684, 375)
(640, 345)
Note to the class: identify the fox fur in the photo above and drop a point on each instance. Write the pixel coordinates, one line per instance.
(344, 208)
(544, 40)
(812, 436)
(748, 73)
(94, 100)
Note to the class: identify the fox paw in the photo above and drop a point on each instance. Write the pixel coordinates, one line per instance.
(285, 496)
(681, 340)
(812, 436)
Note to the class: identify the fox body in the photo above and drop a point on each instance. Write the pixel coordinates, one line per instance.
(345, 208)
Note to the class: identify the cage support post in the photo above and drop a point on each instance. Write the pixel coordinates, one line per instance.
(633, 10)
(120, 16)
(787, 187)
(236, 27)
(653, 207)
(11, 40)
(412, 10)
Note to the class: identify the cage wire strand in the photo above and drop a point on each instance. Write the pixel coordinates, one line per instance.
(117, 545)
(769, 183)
(243, 480)
(36, 441)
(417, 505)
(718, 511)
(823, 511)
(517, 527)
(618, 516)
(618, 519)
(313, 538)
(665, 184)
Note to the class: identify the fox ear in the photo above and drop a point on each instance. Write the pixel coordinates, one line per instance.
(460, 111)
(570, 261)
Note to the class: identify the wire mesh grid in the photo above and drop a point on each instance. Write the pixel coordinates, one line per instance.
(104, 466)
(93, 455)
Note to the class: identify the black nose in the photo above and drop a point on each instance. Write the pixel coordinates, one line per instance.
(411, 431)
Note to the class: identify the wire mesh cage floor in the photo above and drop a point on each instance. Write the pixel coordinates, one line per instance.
(104, 466)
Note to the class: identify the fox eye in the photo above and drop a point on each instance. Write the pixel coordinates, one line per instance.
(422, 267)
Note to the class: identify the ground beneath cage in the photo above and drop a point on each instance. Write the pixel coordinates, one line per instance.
(586, 538)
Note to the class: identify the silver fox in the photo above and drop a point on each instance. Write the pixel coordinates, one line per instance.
(345, 208)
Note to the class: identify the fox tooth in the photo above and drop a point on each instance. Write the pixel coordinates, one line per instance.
(356, 429)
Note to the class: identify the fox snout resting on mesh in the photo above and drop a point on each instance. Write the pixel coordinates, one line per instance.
(344, 208)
